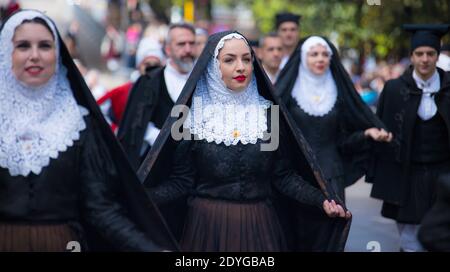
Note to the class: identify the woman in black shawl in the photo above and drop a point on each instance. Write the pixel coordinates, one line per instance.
(339, 127)
(327, 109)
(236, 181)
(62, 173)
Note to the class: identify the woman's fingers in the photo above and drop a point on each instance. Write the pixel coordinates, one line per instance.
(387, 136)
(375, 134)
(340, 211)
(390, 136)
(328, 208)
(380, 135)
(348, 215)
(332, 209)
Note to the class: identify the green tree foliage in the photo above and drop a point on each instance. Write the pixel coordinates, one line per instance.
(360, 24)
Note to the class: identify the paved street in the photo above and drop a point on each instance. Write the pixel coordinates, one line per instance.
(368, 225)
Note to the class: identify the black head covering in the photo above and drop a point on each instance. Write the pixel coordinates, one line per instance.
(363, 118)
(287, 17)
(153, 167)
(140, 209)
(426, 35)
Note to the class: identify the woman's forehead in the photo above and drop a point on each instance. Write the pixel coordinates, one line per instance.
(235, 45)
(28, 29)
(318, 46)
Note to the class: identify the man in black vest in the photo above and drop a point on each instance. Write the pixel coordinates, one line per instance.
(154, 94)
(416, 108)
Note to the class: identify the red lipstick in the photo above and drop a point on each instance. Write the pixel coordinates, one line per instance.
(240, 78)
(34, 70)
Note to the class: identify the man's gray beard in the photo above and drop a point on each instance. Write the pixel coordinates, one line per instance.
(185, 67)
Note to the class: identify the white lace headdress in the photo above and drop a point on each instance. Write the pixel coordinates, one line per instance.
(221, 115)
(315, 94)
(35, 123)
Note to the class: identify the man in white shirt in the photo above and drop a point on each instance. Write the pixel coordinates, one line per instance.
(416, 108)
(270, 54)
(155, 93)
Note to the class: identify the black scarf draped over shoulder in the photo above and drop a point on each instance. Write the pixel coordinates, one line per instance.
(356, 164)
(156, 166)
(125, 185)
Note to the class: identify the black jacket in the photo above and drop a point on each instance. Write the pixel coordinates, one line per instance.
(397, 108)
(149, 101)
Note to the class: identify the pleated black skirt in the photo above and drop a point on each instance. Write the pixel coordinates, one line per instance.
(35, 238)
(225, 226)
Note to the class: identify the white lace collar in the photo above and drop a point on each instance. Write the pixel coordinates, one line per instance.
(35, 123)
(224, 116)
(316, 95)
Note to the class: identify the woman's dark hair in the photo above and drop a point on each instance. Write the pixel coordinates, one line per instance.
(40, 21)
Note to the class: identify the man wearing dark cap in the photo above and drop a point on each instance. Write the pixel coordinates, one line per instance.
(416, 108)
(288, 27)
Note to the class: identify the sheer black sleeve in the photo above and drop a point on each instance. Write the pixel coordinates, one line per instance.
(350, 138)
(181, 180)
(290, 183)
(100, 197)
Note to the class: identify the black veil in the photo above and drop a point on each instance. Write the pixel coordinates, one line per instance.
(156, 166)
(130, 193)
(355, 165)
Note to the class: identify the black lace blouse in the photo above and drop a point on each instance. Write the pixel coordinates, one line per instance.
(235, 173)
